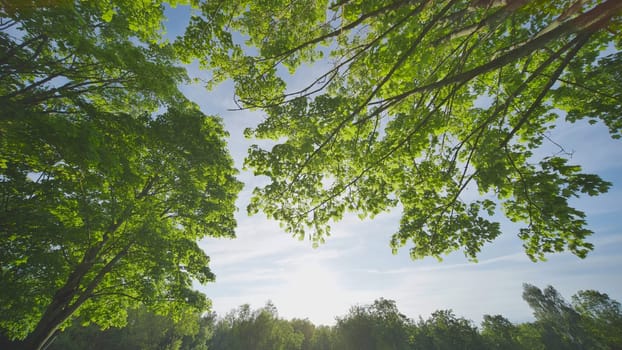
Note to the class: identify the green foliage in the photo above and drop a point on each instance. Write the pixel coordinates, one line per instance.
(108, 175)
(585, 324)
(594, 92)
(323, 338)
(307, 329)
(144, 331)
(110, 207)
(260, 330)
(591, 322)
(444, 331)
(601, 317)
(421, 104)
(378, 326)
(86, 61)
(531, 336)
(499, 333)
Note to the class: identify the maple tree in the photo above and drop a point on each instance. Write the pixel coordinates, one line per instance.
(108, 175)
(420, 103)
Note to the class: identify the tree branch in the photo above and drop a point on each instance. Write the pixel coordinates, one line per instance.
(346, 27)
(578, 44)
(361, 106)
(590, 21)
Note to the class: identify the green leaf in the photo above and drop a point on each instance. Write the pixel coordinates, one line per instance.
(107, 16)
(419, 103)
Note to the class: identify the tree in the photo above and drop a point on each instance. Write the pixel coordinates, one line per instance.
(323, 338)
(530, 336)
(108, 176)
(601, 317)
(307, 329)
(444, 331)
(260, 329)
(499, 333)
(199, 341)
(377, 326)
(105, 213)
(560, 325)
(420, 103)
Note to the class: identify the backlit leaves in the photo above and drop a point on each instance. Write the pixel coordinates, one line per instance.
(420, 105)
(108, 175)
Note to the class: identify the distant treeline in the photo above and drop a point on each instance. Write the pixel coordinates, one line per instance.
(591, 320)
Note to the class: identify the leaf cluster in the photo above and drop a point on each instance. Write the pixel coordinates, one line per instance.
(437, 108)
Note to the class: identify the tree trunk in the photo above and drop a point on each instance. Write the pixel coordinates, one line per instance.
(68, 299)
(56, 313)
(34, 341)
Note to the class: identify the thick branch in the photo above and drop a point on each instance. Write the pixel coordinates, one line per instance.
(590, 21)
(88, 290)
(490, 21)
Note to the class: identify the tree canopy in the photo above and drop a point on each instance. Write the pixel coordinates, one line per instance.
(377, 326)
(108, 175)
(261, 329)
(144, 330)
(437, 108)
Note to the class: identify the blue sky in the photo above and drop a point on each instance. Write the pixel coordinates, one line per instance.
(356, 265)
